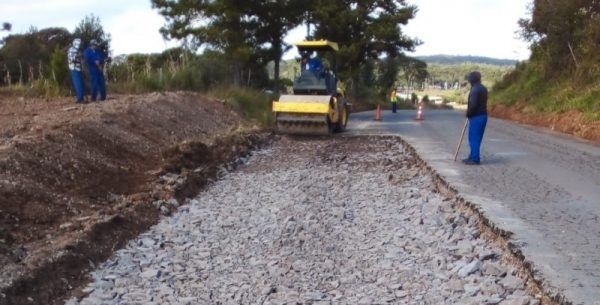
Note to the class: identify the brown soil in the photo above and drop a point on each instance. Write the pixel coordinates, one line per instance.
(76, 182)
(570, 122)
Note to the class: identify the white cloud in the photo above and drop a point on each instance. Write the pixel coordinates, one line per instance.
(469, 27)
(461, 27)
(133, 24)
(137, 31)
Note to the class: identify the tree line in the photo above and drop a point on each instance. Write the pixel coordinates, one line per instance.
(564, 35)
(251, 33)
(235, 42)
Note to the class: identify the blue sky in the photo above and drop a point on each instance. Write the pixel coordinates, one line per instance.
(458, 27)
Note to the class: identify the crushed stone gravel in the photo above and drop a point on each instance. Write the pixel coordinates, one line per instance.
(313, 221)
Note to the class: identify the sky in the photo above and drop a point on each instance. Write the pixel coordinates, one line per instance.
(133, 24)
(457, 27)
(469, 27)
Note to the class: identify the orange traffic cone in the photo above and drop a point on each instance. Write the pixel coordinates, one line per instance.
(378, 113)
(420, 115)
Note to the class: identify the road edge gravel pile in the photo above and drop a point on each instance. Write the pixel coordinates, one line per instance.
(511, 252)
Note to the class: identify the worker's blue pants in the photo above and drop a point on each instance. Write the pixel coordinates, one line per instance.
(77, 79)
(476, 129)
(394, 107)
(97, 84)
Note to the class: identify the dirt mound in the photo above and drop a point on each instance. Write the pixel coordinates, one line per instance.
(571, 122)
(78, 181)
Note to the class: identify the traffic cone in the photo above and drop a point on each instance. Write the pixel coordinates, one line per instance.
(378, 113)
(420, 115)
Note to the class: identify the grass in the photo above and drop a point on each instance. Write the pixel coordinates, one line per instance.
(539, 96)
(253, 104)
(38, 88)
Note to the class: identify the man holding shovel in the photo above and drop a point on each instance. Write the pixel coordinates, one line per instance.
(477, 116)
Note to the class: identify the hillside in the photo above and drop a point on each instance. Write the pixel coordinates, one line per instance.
(560, 80)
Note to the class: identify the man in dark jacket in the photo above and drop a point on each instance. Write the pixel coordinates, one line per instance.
(477, 115)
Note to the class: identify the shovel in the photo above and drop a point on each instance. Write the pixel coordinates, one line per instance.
(462, 136)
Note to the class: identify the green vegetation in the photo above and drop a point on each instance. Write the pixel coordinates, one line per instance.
(251, 33)
(453, 75)
(241, 41)
(253, 104)
(533, 93)
(563, 72)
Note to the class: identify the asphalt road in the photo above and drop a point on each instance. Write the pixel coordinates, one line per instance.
(542, 186)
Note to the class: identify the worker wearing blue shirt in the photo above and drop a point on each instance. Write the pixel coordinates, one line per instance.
(315, 65)
(94, 59)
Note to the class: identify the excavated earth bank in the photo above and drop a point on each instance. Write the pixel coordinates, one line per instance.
(78, 182)
(571, 122)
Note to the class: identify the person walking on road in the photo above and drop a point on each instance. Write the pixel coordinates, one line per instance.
(74, 59)
(394, 100)
(477, 116)
(94, 59)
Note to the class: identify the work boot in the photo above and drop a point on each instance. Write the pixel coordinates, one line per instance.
(468, 161)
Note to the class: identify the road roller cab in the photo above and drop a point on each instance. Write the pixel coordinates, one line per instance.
(316, 106)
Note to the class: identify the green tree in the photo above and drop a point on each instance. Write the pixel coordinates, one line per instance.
(558, 31)
(363, 29)
(250, 32)
(26, 57)
(58, 67)
(388, 71)
(219, 25)
(273, 20)
(413, 70)
(91, 28)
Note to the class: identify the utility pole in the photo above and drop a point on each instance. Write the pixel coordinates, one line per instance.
(308, 26)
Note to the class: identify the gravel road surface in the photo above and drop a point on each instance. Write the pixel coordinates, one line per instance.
(313, 221)
(542, 186)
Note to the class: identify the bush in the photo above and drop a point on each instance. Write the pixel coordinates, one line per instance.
(251, 103)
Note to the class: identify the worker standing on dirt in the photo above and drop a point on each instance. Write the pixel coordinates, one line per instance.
(477, 116)
(394, 100)
(94, 58)
(74, 59)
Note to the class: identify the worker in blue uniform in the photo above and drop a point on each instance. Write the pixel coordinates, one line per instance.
(94, 59)
(477, 115)
(315, 65)
(74, 59)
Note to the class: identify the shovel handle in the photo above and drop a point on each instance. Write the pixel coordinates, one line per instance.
(462, 135)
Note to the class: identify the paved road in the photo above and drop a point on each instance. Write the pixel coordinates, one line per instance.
(542, 186)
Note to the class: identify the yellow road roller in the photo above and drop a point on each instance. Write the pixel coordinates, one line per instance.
(317, 106)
